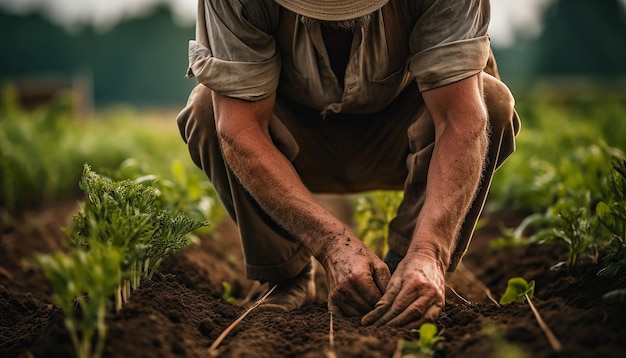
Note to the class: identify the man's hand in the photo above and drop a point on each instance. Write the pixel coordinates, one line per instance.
(415, 294)
(356, 277)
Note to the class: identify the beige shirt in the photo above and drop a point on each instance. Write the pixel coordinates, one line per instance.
(237, 53)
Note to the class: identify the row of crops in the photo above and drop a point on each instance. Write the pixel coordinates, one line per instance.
(143, 196)
(569, 174)
(145, 203)
(42, 153)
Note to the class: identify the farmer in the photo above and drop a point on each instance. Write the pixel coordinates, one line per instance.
(297, 97)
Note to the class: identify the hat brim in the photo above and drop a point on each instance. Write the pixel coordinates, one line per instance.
(332, 10)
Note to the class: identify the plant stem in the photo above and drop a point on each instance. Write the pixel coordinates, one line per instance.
(126, 291)
(101, 328)
(554, 342)
(213, 352)
(118, 298)
(71, 327)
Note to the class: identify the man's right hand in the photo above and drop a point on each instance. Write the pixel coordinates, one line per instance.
(356, 277)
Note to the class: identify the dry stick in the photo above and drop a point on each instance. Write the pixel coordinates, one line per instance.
(331, 340)
(254, 290)
(4, 272)
(471, 277)
(213, 349)
(554, 342)
(458, 296)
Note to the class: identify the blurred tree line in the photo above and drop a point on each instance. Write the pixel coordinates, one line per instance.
(143, 61)
(582, 38)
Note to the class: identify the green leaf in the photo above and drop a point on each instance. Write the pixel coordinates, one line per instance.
(227, 293)
(425, 346)
(428, 334)
(517, 289)
(602, 209)
(611, 269)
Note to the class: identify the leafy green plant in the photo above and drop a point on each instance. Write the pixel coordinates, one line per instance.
(588, 220)
(183, 189)
(614, 258)
(559, 143)
(126, 215)
(519, 290)
(611, 214)
(32, 175)
(531, 229)
(83, 282)
(120, 236)
(425, 346)
(373, 213)
(575, 230)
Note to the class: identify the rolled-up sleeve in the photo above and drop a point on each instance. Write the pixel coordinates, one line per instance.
(449, 41)
(239, 58)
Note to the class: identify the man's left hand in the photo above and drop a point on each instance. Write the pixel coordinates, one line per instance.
(415, 294)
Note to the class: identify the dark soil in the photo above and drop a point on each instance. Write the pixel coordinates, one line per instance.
(181, 315)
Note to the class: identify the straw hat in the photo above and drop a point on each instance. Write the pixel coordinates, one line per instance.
(332, 10)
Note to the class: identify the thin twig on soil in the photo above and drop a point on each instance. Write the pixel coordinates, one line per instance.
(469, 275)
(554, 342)
(331, 340)
(255, 290)
(4, 272)
(213, 352)
(458, 296)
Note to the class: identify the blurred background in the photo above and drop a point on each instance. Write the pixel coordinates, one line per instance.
(100, 82)
(135, 52)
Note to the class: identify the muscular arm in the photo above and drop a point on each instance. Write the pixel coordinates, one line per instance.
(242, 127)
(416, 291)
(460, 119)
(357, 278)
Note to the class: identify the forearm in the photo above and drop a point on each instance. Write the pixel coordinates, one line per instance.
(270, 178)
(454, 175)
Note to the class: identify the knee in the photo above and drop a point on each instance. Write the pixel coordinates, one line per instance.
(503, 119)
(196, 123)
(197, 115)
(500, 104)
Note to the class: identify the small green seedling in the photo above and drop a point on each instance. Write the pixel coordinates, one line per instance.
(425, 345)
(519, 290)
(227, 293)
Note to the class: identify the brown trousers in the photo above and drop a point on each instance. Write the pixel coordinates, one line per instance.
(344, 153)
